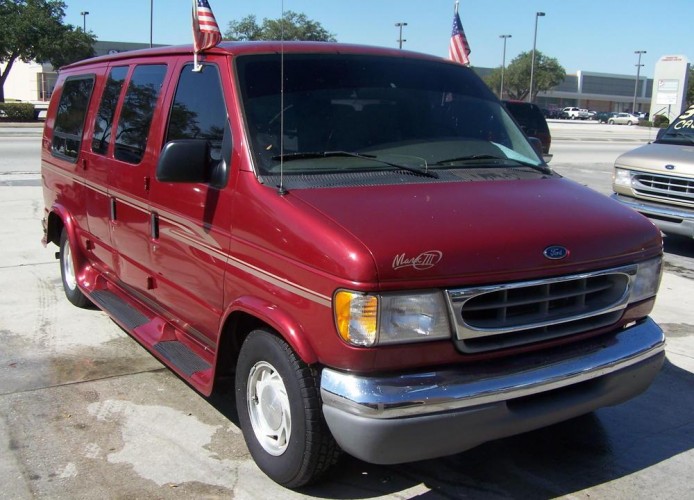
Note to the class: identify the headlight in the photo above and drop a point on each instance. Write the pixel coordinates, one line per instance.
(368, 320)
(647, 280)
(622, 177)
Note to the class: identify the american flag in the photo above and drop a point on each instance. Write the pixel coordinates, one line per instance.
(459, 49)
(206, 32)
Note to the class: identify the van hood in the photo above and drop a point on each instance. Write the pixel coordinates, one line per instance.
(671, 159)
(485, 232)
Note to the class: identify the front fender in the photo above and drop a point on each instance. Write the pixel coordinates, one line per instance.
(278, 319)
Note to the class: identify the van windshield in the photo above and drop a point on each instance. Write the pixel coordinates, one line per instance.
(363, 112)
(681, 131)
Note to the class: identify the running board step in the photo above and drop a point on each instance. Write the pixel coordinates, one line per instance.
(183, 358)
(123, 312)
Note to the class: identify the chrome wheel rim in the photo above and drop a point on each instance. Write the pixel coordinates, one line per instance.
(268, 408)
(68, 268)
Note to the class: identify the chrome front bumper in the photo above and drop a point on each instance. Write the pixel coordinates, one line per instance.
(401, 418)
(668, 218)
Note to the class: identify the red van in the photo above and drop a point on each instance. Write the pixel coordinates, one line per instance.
(362, 237)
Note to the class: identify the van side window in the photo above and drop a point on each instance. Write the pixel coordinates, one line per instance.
(138, 110)
(69, 120)
(198, 110)
(107, 109)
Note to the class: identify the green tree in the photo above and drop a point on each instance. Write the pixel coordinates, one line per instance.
(33, 30)
(292, 26)
(548, 73)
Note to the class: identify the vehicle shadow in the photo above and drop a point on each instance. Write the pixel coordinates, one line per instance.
(598, 448)
(679, 245)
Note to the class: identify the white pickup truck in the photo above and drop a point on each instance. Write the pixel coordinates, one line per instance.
(574, 113)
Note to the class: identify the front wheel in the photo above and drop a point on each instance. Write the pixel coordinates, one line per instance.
(68, 274)
(278, 401)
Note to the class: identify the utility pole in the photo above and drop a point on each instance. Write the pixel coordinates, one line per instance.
(638, 73)
(400, 40)
(503, 66)
(532, 62)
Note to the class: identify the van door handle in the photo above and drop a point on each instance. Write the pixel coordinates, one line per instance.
(84, 164)
(112, 209)
(154, 225)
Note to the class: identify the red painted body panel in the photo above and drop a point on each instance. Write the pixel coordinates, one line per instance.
(280, 258)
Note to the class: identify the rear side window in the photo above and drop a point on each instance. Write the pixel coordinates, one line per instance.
(107, 109)
(69, 120)
(138, 110)
(198, 110)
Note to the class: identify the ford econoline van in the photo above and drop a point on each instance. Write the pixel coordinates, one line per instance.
(657, 179)
(362, 237)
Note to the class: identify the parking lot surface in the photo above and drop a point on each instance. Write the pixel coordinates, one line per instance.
(85, 412)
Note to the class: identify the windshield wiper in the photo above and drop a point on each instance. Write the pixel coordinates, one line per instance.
(347, 154)
(462, 159)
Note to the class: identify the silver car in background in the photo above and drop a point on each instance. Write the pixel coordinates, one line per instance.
(623, 119)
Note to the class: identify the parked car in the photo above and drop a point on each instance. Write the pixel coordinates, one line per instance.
(574, 113)
(362, 238)
(623, 119)
(589, 115)
(552, 113)
(532, 122)
(604, 116)
(657, 179)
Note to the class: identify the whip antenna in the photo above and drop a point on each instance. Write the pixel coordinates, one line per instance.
(281, 190)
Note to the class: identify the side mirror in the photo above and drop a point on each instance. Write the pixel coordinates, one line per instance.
(184, 160)
(537, 145)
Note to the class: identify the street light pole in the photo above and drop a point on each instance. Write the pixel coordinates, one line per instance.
(638, 73)
(532, 61)
(84, 14)
(400, 40)
(503, 66)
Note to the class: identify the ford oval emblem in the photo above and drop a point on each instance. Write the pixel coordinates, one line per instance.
(555, 252)
(669, 167)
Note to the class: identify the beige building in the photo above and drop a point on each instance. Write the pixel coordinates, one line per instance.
(33, 82)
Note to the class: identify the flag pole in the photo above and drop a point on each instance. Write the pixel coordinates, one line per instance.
(457, 3)
(196, 65)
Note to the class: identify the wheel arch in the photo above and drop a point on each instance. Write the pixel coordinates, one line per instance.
(59, 218)
(251, 313)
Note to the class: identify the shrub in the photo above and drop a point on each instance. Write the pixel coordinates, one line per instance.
(17, 111)
(661, 121)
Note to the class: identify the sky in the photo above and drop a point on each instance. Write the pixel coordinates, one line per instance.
(588, 35)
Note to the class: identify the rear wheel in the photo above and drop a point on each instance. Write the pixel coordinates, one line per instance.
(68, 274)
(278, 401)
(611, 122)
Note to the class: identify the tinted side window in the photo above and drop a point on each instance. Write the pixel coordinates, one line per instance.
(198, 110)
(138, 109)
(107, 109)
(69, 121)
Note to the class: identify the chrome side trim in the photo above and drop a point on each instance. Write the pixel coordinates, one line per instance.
(468, 386)
(196, 237)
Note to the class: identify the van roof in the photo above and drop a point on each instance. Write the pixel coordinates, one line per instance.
(264, 47)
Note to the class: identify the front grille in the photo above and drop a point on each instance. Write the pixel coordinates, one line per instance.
(677, 189)
(500, 316)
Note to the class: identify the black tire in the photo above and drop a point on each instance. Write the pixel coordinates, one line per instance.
(284, 400)
(68, 275)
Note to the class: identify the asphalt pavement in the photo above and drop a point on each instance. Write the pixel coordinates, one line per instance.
(85, 412)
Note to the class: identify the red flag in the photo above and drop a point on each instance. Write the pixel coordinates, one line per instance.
(459, 49)
(206, 32)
